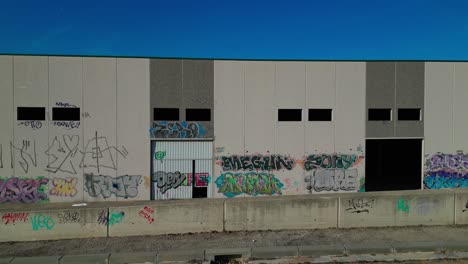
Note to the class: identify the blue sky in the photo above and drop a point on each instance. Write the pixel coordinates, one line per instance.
(239, 29)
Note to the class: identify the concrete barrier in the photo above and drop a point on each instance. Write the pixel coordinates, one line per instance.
(167, 217)
(30, 225)
(428, 207)
(275, 213)
(461, 208)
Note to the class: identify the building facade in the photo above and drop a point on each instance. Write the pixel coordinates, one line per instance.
(93, 129)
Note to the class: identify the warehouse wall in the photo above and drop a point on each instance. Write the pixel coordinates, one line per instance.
(309, 156)
(102, 155)
(446, 93)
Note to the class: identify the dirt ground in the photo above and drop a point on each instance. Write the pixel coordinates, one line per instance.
(363, 236)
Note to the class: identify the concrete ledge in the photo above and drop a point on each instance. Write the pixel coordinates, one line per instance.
(36, 260)
(89, 259)
(420, 246)
(133, 258)
(274, 252)
(321, 250)
(366, 248)
(181, 255)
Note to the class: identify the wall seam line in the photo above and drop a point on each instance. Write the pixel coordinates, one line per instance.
(452, 104)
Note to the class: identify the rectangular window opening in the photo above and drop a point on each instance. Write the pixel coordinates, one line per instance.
(66, 114)
(320, 114)
(380, 114)
(166, 114)
(409, 114)
(31, 113)
(289, 114)
(198, 114)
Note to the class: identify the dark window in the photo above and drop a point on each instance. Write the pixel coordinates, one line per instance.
(166, 114)
(31, 113)
(66, 114)
(289, 114)
(409, 114)
(320, 115)
(380, 114)
(198, 114)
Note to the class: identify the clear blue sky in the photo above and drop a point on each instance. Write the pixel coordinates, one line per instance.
(242, 29)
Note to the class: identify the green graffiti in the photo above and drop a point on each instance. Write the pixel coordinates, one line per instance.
(362, 185)
(251, 183)
(160, 155)
(115, 218)
(402, 205)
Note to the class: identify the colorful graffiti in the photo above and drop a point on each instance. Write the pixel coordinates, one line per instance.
(250, 183)
(146, 213)
(172, 180)
(41, 221)
(160, 155)
(256, 162)
(123, 186)
(403, 205)
(115, 218)
(12, 218)
(332, 180)
(64, 187)
(446, 171)
(176, 129)
(23, 190)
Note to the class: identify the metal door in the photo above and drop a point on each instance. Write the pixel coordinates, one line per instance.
(176, 164)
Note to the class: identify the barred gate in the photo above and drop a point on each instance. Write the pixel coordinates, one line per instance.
(176, 165)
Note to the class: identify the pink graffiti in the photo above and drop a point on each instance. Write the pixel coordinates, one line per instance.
(14, 217)
(145, 213)
(17, 190)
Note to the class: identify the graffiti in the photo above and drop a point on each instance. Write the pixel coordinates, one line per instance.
(65, 104)
(332, 180)
(168, 180)
(445, 179)
(19, 190)
(60, 153)
(160, 155)
(251, 183)
(27, 153)
(256, 162)
(466, 208)
(14, 217)
(64, 187)
(176, 129)
(85, 115)
(219, 149)
(362, 185)
(123, 186)
(402, 205)
(32, 124)
(145, 213)
(201, 179)
(110, 219)
(359, 205)
(98, 154)
(1, 156)
(67, 124)
(331, 161)
(69, 217)
(42, 222)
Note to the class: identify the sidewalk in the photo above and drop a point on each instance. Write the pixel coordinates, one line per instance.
(260, 245)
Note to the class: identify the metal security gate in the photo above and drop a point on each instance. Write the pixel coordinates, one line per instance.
(177, 165)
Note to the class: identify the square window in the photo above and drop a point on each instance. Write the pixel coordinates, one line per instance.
(379, 114)
(166, 114)
(409, 114)
(289, 114)
(31, 113)
(198, 114)
(66, 114)
(320, 114)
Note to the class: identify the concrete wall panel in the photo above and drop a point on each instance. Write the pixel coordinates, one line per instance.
(259, 95)
(133, 144)
(66, 137)
(298, 212)
(290, 85)
(461, 208)
(167, 217)
(100, 149)
(6, 115)
(52, 224)
(438, 110)
(166, 83)
(460, 96)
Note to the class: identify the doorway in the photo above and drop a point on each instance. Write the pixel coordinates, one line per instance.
(393, 164)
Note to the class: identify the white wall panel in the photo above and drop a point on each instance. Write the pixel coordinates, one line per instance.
(229, 107)
(6, 115)
(320, 94)
(66, 137)
(259, 97)
(133, 104)
(438, 115)
(290, 85)
(100, 154)
(31, 138)
(460, 107)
